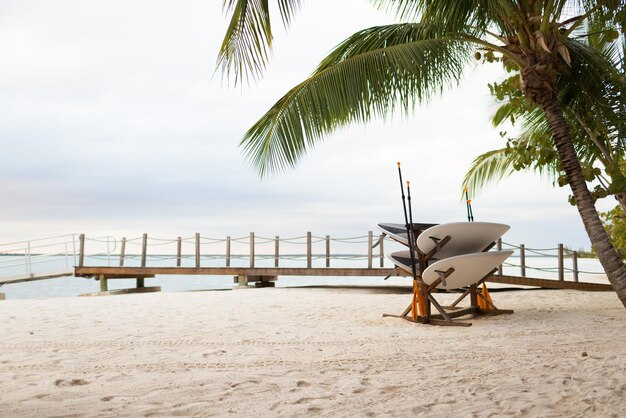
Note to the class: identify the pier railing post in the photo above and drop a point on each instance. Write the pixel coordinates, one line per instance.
(144, 249)
(251, 249)
(122, 251)
(67, 256)
(561, 270)
(29, 265)
(81, 250)
(179, 249)
(227, 251)
(370, 243)
(522, 259)
(381, 241)
(108, 251)
(74, 247)
(327, 250)
(197, 250)
(276, 250)
(309, 261)
(575, 265)
(499, 248)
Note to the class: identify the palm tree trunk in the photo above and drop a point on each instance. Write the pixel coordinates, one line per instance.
(609, 257)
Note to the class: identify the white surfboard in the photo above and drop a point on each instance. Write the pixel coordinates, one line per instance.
(468, 268)
(402, 260)
(397, 232)
(465, 237)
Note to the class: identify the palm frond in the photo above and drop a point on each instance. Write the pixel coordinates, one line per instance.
(456, 15)
(594, 89)
(586, 76)
(503, 113)
(248, 39)
(488, 168)
(532, 151)
(373, 73)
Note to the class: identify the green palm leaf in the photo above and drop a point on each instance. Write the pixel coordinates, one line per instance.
(492, 166)
(373, 73)
(488, 168)
(456, 15)
(248, 39)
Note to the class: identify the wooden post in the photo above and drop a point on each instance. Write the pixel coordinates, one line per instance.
(103, 283)
(67, 255)
(144, 249)
(197, 250)
(370, 243)
(227, 251)
(242, 281)
(575, 265)
(179, 247)
(252, 250)
(522, 259)
(122, 251)
(276, 250)
(81, 254)
(382, 251)
(561, 271)
(309, 261)
(140, 282)
(499, 248)
(108, 251)
(74, 248)
(473, 295)
(327, 250)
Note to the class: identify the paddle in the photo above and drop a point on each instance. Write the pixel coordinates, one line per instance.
(468, 203)
(410, 240)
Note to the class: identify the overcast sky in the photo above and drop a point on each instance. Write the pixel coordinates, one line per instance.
(113, 122)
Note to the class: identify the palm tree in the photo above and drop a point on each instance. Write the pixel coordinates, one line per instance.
(597, 126)
(382, 68)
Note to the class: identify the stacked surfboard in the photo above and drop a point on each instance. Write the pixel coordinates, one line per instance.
(461, 250)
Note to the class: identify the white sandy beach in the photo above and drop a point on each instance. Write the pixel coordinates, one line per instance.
(287, 352)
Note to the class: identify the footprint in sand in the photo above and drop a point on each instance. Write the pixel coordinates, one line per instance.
(73, 382)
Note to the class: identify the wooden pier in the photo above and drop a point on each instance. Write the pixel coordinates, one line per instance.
(21, 278)
(314, 264)
(245, 275)
(549, 283)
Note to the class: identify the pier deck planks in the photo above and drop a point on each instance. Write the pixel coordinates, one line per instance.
(131, 272)
(34, 276)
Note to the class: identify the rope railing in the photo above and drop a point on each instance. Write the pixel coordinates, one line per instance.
(555, 269)
(198, 249)
(23, 257)
(140, 249)
(56, 237)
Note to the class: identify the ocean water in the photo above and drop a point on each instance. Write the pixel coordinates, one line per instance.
(537, 266)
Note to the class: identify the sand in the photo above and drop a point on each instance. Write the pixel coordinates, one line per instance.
(294, 352)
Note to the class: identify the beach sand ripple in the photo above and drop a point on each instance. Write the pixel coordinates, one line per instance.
(293, 352)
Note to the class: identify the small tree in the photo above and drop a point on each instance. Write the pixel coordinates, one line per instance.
(615, 223)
